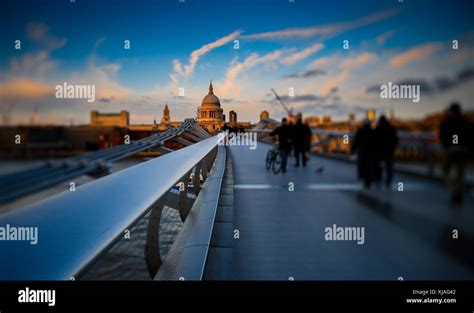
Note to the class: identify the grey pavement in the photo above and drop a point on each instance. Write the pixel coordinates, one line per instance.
(407, 234)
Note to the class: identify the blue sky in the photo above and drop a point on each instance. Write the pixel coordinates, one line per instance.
(82, 42)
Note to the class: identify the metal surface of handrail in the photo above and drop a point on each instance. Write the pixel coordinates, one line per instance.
(76, 227)
(15, 185)
(186, 259)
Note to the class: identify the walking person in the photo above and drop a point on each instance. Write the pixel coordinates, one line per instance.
(364, 145)
(455, 134)
(386, 142)
(284, 142)
(301, 139)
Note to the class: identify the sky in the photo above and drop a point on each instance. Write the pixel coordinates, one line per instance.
(281, 45)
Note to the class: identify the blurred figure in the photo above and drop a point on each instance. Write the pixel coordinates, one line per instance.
(386, 141)
(284, 143)
(301, 140)
(455, 134)
(364, 143)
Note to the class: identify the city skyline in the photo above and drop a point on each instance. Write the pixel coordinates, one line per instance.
(281, 45)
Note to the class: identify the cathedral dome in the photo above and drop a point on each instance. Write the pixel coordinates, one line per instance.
(211, 99)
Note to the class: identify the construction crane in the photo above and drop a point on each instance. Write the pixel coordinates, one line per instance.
(288, 111)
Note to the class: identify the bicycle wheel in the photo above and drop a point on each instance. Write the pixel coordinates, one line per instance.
(276, 163)
(268, 160)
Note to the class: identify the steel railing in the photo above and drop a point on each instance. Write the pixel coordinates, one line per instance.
(15, 185)
(76, 228)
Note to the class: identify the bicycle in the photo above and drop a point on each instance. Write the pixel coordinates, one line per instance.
(273, 159)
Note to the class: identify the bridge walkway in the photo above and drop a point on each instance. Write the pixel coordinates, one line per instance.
(407, 234)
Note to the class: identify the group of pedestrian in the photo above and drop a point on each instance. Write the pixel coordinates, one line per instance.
(375, 149)
(293, 137)
(456, 134)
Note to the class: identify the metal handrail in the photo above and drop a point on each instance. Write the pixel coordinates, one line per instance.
(17, 184)
(75, 228)
(188, 254)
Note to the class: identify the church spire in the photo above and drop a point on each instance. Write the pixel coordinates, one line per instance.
(211, 89)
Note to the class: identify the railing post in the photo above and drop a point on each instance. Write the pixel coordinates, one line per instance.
(152, 247)
(197, 178)
(183, 206)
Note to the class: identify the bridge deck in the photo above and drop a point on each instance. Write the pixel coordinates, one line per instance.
(282, 233)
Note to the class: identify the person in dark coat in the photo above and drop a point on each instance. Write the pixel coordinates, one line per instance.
(284, 141)
(301, 139)
(364, 144)
(456, 137)
(386, 142)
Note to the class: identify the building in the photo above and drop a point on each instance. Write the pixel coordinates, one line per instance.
(351, 120)
(166, 115)
(164, 124)
(210, 113)
(264, 115)
(232, 118)
(121, 119)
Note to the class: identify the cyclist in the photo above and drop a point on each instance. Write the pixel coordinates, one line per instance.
(284, 141)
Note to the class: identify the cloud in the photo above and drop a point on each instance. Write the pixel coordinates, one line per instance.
(415, 54)
(382, 38)
(36, 31)
(233, 101)
(104, 100)
(99, 42)
(324, 61)
(104, 77)
(340, 67)
(436, 85)
(425, 86)
(322, 105)
(304, 97)
(188, 69)
(23, 89)
(22, 94)
(465, 75)
(178, 67)
(237, 68)
(334, 81)
(324, 31)
(303, 54)
(307, 74)
(31, 64)
(39, 32)
(300, 98)
(36, 64)
(358, 61)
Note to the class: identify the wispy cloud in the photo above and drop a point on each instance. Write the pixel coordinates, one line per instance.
(323, 31)
(188, 69)
(415, 54)
(307, 74)
(36, 64)
(302, 54)
(39, 32)
(357, 61)
(436, 85)
(382, 38)
(334, 81)
(237, 68)
(324, 61)
(22, 89)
